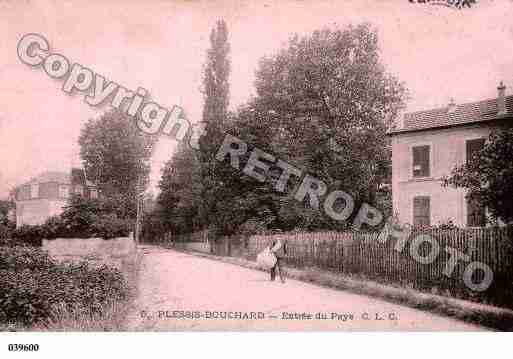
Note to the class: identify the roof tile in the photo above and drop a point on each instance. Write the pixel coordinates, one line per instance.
(463, 114)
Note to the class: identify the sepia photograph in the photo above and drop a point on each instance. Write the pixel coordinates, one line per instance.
(292, 166)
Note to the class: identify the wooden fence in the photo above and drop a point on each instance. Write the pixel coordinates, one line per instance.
(394, 260)
(200, 236)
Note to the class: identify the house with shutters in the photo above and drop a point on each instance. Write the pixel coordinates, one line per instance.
(428, 145)
(46, 195)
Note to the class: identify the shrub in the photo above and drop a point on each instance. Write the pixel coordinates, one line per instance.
(6, 230)
(32, 286)
(110, 226)
(86, 218)
(29, 235)
(82, 218)
(21, 258)
(54, 227)
(252, 226)
(447, 224)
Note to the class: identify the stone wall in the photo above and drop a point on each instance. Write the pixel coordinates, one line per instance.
(97, 251)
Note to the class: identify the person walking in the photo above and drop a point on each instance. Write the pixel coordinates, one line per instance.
(279, 249)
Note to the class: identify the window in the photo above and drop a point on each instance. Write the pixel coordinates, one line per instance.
(23, 193)
(476, 213)
(421, 211)
(34, 190)
(421, 161)
(63, 191)
(79, 190)
(94, 193)
(473, 147)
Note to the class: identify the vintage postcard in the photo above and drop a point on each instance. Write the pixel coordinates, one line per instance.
(292, 166)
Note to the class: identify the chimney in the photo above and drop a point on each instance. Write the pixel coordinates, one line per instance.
(501, 102)
(452, 106)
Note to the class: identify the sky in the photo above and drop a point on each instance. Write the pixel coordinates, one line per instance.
(438, 52)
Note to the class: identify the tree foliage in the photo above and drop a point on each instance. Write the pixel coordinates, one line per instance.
(5, 208)
(215, 114)
(331, 102)
(7, 226)
(216, 89)
(180, 198)
(487, 176)
(81, 218)
(115, 155)
(323, 104)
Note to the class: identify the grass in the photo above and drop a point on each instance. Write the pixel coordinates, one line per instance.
(111, 318)
(471, 312)
(113, 314)
(81, 319)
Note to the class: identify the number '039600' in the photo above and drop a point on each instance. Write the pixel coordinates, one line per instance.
(23, 347)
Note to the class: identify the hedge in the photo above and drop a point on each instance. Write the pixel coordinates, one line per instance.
(32, 286)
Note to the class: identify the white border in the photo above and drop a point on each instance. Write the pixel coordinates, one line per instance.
(313, 345)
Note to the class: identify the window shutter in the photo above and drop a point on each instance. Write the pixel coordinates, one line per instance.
(421, 161)
(421, 211)
(424, 161)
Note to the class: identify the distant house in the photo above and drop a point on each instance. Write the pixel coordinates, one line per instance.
(46, 195)
(428, 146)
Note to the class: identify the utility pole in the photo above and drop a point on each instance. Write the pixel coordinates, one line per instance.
(139, 215)
(139, 208)
(140, 191)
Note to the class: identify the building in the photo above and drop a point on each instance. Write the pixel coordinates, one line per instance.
(46, 195)
(428, 146)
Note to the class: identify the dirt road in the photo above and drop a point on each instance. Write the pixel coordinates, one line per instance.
(178, 291)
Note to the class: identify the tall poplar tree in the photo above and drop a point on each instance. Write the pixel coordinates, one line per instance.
(215, 112)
